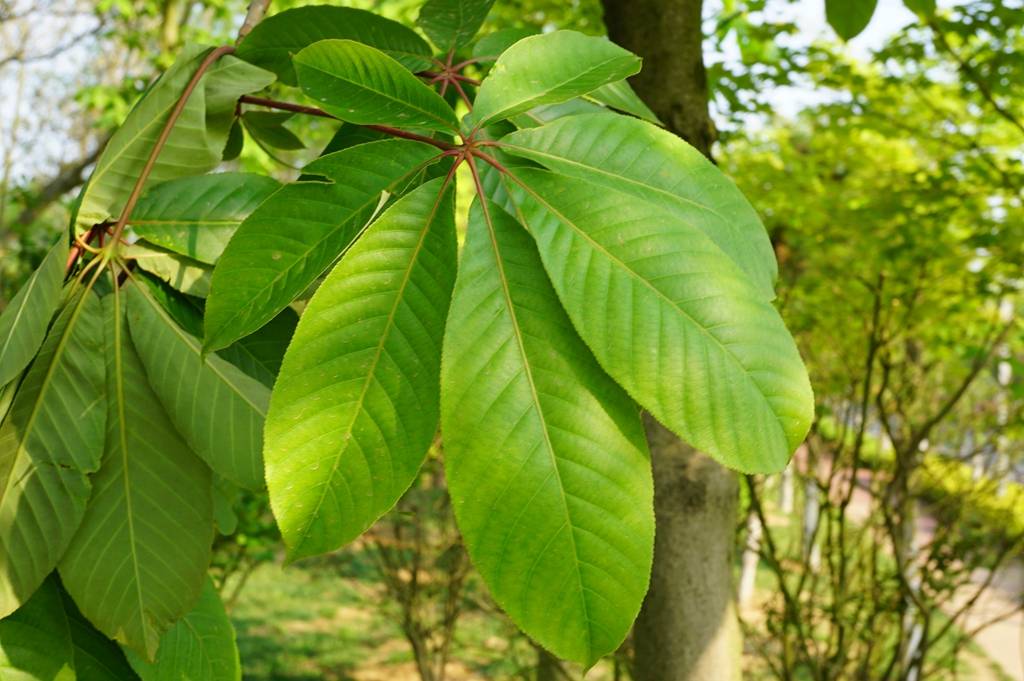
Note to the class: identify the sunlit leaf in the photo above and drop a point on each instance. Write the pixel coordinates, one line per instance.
(355, 407)
(544, 455)
(180, 272)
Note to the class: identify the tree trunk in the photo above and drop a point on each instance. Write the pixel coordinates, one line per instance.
(687, 629)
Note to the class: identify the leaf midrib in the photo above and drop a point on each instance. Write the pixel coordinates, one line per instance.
(636, 276)
(528, 371)
(372, 369)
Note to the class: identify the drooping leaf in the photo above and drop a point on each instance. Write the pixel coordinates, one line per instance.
(217, 408)
(659, 168)
(276, 39)
(267, 128)
(180, 272)
(621, 97)
(921, 7)
(97, 658)
(50, 441)
(355, 407)
(544, 455)
(490, 46)
(25, 319)
(236, 142)
(550, 68)
(194, 147)
(196, 216)
(672, 319)
(295, 235)
(139, 558)
(451, 24)
(849, 17)
(35, 641)
(200, 647)
(361, 84)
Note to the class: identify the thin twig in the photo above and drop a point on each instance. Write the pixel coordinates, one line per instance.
(257, 10)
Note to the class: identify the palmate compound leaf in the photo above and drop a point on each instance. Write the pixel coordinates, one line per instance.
(200, 647)
(544, 455)
(276, 39)
(657, 167)
(360, 84)
(195, 145)
(50, 441)
(196, 216)
(24, 321)
(547, 69)
(139, 558)
(295, 235)
(217, 408)
(355, 407)
(451, 24)
(177, 271)
(673, 319)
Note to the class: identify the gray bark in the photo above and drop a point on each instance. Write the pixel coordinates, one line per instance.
(687, 629)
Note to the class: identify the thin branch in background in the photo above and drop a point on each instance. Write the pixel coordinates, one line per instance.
(257, 10)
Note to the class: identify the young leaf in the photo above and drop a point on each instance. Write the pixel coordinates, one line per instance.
(217, 408)
(360, 84)
(194, 147)
(180, 272)
(659, 168)
(276, 39)
(299, 231)
(355, 407)
(544, 455)
(267, 128)
(25, 319)
(672, 319)
(35, 641)
(196, 216)
(51, 440)
(451, 24)
(139, 558)
(199, 647)
(849, 17)
(550, 68)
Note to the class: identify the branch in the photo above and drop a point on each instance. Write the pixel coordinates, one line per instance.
(257, 9)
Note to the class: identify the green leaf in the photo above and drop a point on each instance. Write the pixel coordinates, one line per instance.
(659, 168)
(97, 658)
(35, 641)
(673, 320)
(139, 558)
(24, 321)
(295, 235)
(276, 39)
(200, 647)
(267, 128)
(260, 353)
(544, 455)
(217, 408)
(196, 216)
(181, 273)
(451, 24)
(51, 440)
(195, 145)
(550, 68)
(849, 17)
(236, 141)
(621, 97)
(361, 84)
(355, 407)
(490, 46)
(921, 7)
